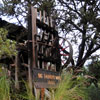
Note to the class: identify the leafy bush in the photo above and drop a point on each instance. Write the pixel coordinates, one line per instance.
(94, 69)
(4, 86)
(70, 88)
(8, 93)
(93, 92)
(7, 46)
(76, 88)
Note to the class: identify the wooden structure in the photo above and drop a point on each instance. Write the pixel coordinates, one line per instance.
(41, 52)
(45, 51)
(45, 41)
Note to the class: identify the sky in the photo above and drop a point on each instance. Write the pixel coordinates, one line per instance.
(12, 19)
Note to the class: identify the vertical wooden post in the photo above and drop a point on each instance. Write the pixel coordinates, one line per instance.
(42, 93)
(51, 22)
(16, 71)
(31, 43)
(30, 50)
(48, 21)
(40, 16)
(34, 32)
(44, 16)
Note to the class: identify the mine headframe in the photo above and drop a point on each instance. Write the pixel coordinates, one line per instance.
(49, 51)
(44, 41)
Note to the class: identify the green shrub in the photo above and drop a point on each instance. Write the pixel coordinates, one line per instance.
(93, 92)
(7, 46)
(76, 88)
(4, 86)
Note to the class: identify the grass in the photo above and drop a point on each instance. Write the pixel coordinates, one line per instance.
(24, 94)
(4, 86)
(70, 88)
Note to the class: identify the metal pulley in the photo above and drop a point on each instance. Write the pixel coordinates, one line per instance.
(66, 52)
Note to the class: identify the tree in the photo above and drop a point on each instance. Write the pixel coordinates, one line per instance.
(19, 8)
(80, 20)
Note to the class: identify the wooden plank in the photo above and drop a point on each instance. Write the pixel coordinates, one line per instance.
(48, 21)
(45, 27)
(44, 16)
(42, 94)
(40, 16)
(30, 49)
(17, 71)
(35, 12)
(44, 20)
(25, 65)
(51, 24)
(34, 32)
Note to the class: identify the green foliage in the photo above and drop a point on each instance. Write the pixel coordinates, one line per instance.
(93, 92)
(79, 18)
(19, 8)
(8, 92)
(75, 88)
(4, 86)
(29, 93)
(47, 6)
(7, 46)
(24, 94)
(71, 89)
(94, 69)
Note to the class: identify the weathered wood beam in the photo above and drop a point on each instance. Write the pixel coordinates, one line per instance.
(25, 65)
(45, 27)
(17, 65)
(19, 33)
(15, 32)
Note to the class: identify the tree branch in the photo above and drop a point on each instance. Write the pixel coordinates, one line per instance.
(61, 1)
(71, 22)
(89, 52)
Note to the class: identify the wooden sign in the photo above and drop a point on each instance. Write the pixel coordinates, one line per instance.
(45, 79)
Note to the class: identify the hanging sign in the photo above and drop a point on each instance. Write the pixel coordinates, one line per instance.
(45, 79)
